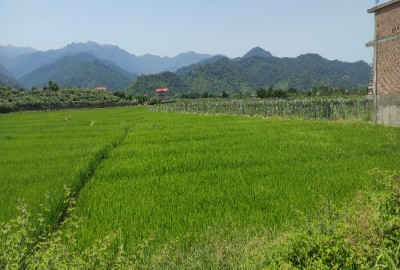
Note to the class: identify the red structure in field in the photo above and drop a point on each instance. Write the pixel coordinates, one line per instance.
(162, 93)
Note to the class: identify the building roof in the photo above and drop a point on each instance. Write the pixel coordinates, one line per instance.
(378, 7)
(164, 90)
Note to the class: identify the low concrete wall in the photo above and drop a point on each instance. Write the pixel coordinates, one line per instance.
(388, 110)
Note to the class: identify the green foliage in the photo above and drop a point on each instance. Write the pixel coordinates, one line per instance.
(306, 108)
(52, 98)
(122, 95)
(261, 93)
(28, 243)
(53, 86)
(271, 93)
(141, 99)
(364, 235)
(224, 94)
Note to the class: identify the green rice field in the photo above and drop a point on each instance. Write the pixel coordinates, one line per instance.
(185, 181)
(43, 151)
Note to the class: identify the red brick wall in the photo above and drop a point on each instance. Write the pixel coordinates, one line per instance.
(388, 68)
(388, 21)
(388, 53)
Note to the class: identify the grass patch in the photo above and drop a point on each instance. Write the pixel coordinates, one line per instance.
(43, 151)
(363, 235)
(202, 191)
(180, 175)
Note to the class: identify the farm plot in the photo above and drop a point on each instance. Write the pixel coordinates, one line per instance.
(178, 177)
(354, 108)
(192, 183)
(43, 151)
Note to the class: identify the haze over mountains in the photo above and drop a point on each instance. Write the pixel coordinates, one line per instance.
(90, 64)
(35, 67)
(7, 80)
(22, 64)
(8, 52)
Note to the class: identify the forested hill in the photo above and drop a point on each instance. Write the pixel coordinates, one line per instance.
(247, 74)
(6, 79)
(5, 72)
(83, 70)
(257, 51)
(20, 64)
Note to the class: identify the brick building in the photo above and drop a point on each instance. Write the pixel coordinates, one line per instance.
(386, 81)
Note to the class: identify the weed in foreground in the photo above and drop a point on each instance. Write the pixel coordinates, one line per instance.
(27, 244)
(365, 235)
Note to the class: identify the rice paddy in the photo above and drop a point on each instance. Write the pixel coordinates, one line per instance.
(180, 177)
(43, 151)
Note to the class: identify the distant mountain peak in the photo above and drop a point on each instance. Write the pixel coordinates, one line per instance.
(89, 45)
(311, 55)
(258, 52)
(12, 51)
(189, 53)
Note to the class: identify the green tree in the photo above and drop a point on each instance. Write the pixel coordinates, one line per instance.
(53, 86)
(141, 99)
(279, 93)
(261, 93)
(270, 93)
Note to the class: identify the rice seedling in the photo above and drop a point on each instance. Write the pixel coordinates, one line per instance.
(180, 175)
(43, 151)
(180, 183)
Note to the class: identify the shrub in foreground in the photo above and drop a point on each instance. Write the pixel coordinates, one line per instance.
(29, 243)
(365, 235)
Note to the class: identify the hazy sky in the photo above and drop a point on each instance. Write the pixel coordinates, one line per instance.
(335, 29)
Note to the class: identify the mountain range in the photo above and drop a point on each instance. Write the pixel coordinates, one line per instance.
(82, 69)
(9, 52)
(256, 69)
(6, 79)
(90, 64)
(22, 64)
(33, 68)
